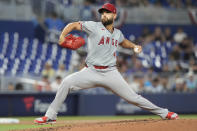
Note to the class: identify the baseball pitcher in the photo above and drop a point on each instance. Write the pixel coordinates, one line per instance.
(100, 70)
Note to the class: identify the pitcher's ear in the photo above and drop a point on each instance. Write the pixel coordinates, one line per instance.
(115, 16)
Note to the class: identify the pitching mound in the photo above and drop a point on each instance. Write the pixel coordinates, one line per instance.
(125, 125)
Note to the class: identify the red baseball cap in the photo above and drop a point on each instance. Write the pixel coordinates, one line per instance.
(109, 7)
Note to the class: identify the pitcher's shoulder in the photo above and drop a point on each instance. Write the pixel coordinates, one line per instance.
(89, 22)
(92, 22)
(118, 30)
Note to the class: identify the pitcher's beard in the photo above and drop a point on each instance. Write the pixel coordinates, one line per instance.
(108, 22)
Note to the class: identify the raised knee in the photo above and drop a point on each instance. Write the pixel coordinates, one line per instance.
(70, 84)
(67, 82)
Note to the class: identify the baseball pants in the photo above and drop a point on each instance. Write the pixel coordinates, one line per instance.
(112, 80)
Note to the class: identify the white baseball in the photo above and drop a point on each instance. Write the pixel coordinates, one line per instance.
(136, 49)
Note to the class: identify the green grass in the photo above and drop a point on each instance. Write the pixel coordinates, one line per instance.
(5, 127)
(19, 126)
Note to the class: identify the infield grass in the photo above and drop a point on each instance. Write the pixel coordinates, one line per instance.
(27, 122)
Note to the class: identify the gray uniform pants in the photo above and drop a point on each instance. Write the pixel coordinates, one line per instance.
(112, 80)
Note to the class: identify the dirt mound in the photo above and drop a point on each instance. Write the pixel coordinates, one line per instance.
(127, 125)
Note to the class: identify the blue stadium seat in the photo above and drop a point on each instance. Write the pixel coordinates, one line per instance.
(1, 63)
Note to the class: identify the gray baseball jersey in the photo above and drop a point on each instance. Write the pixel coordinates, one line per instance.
(102, 44)
(102, 47)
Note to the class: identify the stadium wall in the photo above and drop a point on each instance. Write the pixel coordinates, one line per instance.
(26, 28)
(22, 104)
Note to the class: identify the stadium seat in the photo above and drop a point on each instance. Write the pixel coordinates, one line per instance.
(23, 55)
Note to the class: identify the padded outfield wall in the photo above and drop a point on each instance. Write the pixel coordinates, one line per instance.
(23, 104)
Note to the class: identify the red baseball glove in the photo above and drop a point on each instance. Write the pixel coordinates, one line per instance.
(72, 42)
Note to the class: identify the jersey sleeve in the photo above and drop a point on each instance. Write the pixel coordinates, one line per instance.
(121, 38)
(88, 26)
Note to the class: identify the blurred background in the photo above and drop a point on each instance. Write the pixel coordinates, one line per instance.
(32, 65)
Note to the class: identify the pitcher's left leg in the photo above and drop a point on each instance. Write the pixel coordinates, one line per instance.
(115, 82)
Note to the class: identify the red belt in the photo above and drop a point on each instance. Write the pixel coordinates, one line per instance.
(98, 67)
